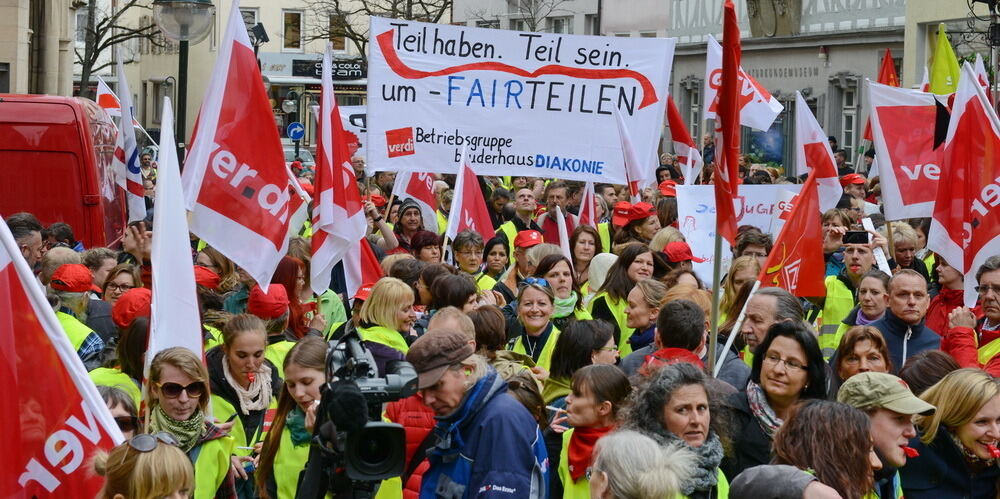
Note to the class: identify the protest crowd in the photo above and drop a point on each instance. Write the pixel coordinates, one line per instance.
(564, 337)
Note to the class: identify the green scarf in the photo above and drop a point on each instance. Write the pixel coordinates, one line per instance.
(296, 424)
(564, 306)
(187, 433)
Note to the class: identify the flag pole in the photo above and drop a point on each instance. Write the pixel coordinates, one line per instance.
(735, 331)
(388, 206)
(713, 340)
(892, 248)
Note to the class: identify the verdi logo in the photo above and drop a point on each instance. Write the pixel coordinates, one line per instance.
(399, 142)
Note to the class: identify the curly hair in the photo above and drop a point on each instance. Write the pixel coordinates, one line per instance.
(644, 412)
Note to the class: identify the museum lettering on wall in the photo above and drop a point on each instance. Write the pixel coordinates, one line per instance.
(353, 69)
(787, 72)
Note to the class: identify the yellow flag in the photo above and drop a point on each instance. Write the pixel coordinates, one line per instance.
(944, 65)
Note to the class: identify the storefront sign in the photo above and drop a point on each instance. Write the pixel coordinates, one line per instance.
(353, 69)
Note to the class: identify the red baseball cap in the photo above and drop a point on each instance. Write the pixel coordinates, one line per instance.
(527, 238)
(136, 302)
(272, 305)
(668, 188)
(851, 178)
(364, 291)
(205, 276)
(680, 251)
(626, 212)
(72, 277)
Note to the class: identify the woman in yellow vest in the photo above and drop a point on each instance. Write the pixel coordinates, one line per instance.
(286, 448)
(467, 249)
(534, 314)
(598, 392)
(386, 319)
(556, 269)
(635, 263)
(178, 403)
(673, 408)
(585, 243)
(245, 385)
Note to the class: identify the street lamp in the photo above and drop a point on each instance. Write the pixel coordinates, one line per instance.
(183, 21)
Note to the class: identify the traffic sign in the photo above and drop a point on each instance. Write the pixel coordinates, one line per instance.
(296, 131)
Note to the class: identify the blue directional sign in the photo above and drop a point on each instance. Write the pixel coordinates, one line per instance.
(296, 131)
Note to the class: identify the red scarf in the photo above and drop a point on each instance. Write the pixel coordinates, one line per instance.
(581, 449)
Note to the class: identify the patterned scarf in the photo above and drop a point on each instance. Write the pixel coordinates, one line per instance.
(706, 473)
(766, 418)
(188, 432)
(255, 397)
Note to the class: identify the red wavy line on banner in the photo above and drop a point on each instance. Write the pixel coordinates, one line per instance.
(385, 42)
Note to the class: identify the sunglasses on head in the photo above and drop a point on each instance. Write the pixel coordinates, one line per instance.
(173, 390)
(535, 281)
(127, 423)
(144, 442)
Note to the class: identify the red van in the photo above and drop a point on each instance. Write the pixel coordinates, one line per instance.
(55, 162)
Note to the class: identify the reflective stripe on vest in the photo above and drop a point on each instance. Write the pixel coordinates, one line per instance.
(988, 351)
(839, 303)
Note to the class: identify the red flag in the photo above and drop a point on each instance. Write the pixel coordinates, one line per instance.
(965, 226)
(728, 126)
(588, 213)
(796, 261)
(468, 210)
(360, 267)
(338, 218)
(234, 177)
(52, 420)
(886, 76)
(684, 147)
(420, 188)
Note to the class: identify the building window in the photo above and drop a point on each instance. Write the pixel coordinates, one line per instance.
(849, 120)
(292, 30)
(519, 25)
(494, 24)
(561, 25)
(647, 34)
(249, 17)
(4, 77)
(690, 105)
(590, 26)
(338, 32)
(81, 25)
(623, 35)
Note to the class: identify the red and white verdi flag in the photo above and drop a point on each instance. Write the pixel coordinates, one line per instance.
(360, 267)
(965, 225)
(638, 176)
(588, 205)
(909, 128)
(126, 158)
(685, 148)
(234, 177)
(420, 188)
(52, 420)
(468, 209)
(338, 215)
(796, 260)
(812, 153)
(758, 108)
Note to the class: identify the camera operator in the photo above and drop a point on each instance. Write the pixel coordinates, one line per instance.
(501, 447)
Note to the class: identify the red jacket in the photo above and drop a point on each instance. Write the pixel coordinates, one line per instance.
(418, 421)
(960, 343)
(942, 305)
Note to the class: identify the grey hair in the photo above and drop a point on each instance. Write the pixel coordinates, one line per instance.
(479, 368)
(77, 302)
(644, 413)
(539, 251)
(787, 307)
(468, 238)
(992, 263)
(639, 468)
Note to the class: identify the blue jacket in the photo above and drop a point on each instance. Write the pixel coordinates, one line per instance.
(940, 472)
(489, 447)
(894, 330)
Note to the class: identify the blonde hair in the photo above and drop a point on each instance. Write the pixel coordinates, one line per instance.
(144, 475)
(729, 284)
(243, 323)
(901, 231)
(185, 361)
(700, 297)
(639, 468)
(652, 291)
(386, 297)
(958, 397)
(665, 236)
(391, 260)
(539, 251)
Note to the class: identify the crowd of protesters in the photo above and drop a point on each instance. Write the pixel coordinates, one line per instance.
(545, 374)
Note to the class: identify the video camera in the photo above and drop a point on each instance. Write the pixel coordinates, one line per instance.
(352, 449)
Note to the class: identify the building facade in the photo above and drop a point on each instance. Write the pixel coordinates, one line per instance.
(36, 45)
(580, 17)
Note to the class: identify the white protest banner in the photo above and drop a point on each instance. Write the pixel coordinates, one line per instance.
(535, 104)
(755, 206)
(354, 119)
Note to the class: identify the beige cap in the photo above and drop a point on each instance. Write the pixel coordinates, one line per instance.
(881, 390)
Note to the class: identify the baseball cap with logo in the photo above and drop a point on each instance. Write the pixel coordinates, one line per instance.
(73, 278)
(881, 390)
(680, 251)
(364, 291)
(668, 188)
(626, 212)
(527, 238)
(434, 352)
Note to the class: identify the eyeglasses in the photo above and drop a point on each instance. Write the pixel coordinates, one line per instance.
(173, 390)
(535, 281)
(127, 423)
(144, 442)
(983, 290)
(119, 287)
(790, 365)
(608, 349)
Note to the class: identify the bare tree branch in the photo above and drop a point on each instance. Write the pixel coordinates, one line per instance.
(355, 13)
(103, 32)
